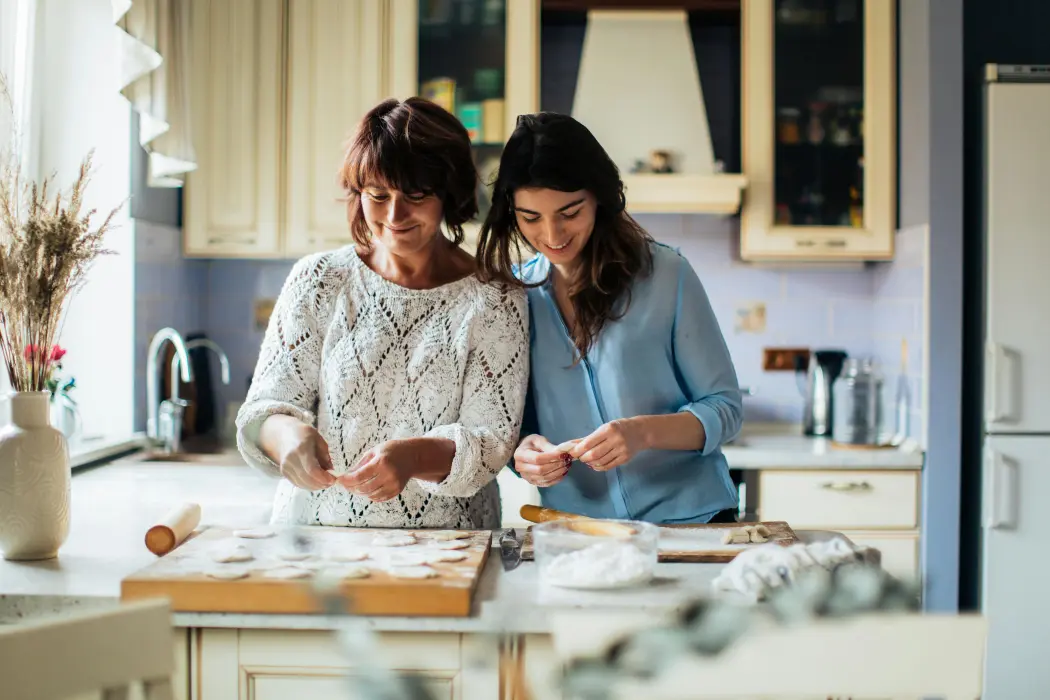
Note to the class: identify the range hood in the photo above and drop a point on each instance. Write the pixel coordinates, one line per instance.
(638, 91)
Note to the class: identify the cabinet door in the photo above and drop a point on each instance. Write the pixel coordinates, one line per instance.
(477, 58)
(335, 70)
(237, 64)
(819, 115)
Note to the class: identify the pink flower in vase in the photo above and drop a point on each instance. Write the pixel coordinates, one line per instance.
(31, 351)
(57, 353)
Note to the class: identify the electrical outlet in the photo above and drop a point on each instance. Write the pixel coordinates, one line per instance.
(783, 359)
(751, 317)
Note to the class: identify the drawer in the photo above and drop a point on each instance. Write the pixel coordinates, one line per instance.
(840, 499)
(900, 554)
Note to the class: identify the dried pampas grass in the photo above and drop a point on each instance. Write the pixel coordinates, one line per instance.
(47, 245)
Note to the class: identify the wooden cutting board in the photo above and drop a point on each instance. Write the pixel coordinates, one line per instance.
(182, 576)
(698, 543)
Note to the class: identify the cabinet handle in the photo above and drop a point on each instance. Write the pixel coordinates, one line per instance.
(1002, 495)
(805, 242)
(219, 240)
(846, 486)
(835, 243)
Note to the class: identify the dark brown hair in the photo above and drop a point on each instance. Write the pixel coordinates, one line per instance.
(555, 151)
(412, 146)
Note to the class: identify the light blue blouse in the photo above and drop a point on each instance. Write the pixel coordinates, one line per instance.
(667, 354)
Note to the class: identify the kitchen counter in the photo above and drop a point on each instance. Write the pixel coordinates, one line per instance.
(113, 506)
(785, 447)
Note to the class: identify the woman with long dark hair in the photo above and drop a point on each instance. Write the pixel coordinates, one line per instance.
(632, 390)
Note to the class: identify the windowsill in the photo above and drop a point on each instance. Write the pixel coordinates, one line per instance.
(100, 448)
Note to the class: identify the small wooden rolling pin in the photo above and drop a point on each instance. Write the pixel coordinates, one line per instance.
(173, 529)
(580, 523)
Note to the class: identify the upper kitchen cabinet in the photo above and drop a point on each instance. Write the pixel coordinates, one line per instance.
(278, 87)
(233, 198)
(334, 78)
(477, 58)
(819, 137)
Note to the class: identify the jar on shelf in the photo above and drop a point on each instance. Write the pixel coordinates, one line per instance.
(787, 125)
(857, 397)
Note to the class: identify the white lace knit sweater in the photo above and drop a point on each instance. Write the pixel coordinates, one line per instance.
(366, 360)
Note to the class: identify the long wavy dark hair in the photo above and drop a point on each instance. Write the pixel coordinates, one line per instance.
(554, 151)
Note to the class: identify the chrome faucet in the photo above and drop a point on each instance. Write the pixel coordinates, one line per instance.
(153, 432)
(176, 363)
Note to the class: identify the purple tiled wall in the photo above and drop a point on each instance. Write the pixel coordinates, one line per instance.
(864, 310)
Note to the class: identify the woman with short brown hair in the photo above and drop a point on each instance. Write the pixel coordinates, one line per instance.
(390, 385)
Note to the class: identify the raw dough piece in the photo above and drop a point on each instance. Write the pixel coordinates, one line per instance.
(449, 535)
(410, 558)
(348, 555)
(452, 544)
(260, 533)
(266, 565)
(447, 555)
(229, 573)
(393, 539)
(288, 572)
(226, 553)
(348, 572)
(421, 571)
(736, 535)
(758, 533)
(292, 555)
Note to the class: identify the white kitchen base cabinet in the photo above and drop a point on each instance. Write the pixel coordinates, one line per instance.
(284, 664)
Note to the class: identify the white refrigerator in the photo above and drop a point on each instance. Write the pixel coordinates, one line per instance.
(1015, 555)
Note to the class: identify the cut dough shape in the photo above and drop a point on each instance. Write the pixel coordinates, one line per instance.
(452, 544)
(736, 535)
(260, 533)
(757, 535)
(447, 555)
(229, 573)
(348, 555)
(292, 555)
(393, 539)
(266, 565)
(288, 572)
(449, 535)
(348, 572)
(407, 558)
(412, 572)
(226, 553)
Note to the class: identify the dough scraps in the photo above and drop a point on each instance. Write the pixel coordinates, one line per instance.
(348, 555)
(747, 534)
(393, 539)
(449, 535)
(226, 553)
(348, 572)
(292, 555)
(452, 544)
(445, 555)
(260, 533)
(421, 571)
(410, 558)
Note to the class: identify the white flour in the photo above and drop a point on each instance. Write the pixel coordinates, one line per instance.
(603, 565)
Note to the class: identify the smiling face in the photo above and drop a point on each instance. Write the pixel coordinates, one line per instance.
(402, 222)
(557, 224)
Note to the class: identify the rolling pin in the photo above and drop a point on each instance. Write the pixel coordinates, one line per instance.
(175, 527)
(580, 523)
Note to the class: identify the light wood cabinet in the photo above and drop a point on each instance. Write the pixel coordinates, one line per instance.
(278, 88)
(281, 664)
(233, 198)
(818, 130)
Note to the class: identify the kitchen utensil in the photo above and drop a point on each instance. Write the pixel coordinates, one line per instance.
(582, 524)
(815, 379)
(184, 579)
(569, 556)
(902, 403)
(858, 404)
(173, 528)
(509, 550)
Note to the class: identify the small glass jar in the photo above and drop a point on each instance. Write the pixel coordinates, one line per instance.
(857, 397)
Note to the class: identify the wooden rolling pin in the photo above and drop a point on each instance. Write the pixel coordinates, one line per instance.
(173, 529)
(580, 523)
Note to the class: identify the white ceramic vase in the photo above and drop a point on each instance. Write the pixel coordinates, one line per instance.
(34, 481)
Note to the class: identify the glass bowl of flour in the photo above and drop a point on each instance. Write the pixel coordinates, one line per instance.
(595, 554)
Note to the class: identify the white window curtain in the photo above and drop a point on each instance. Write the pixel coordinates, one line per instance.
(154, 52)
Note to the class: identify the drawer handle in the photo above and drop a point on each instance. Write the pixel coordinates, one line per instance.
(846, 486)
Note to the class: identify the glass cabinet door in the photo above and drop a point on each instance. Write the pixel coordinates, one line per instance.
(476, 58)
(819, 123)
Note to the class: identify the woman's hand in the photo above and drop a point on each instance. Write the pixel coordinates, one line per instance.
(383, 472)
(611, 445)
(299, 450)
(540, 463)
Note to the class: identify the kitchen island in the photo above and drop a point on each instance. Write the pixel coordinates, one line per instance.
(224, 655)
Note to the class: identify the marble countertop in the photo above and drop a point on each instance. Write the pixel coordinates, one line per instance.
(114, 505)
(785, 447)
